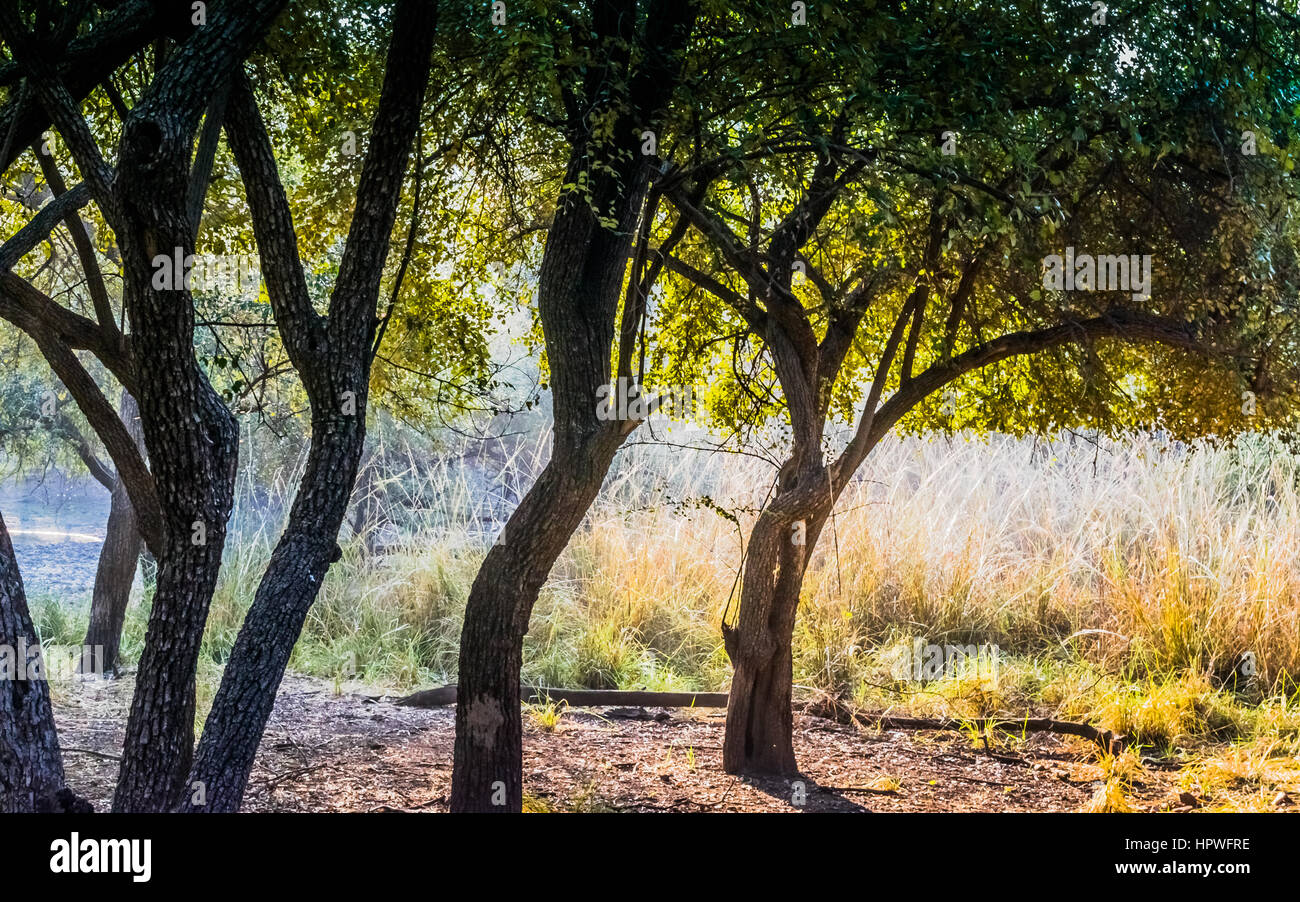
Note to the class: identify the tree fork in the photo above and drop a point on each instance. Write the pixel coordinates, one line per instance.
(333, 357)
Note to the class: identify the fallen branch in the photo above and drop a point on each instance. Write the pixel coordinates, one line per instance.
(270, 783)
(92, 752)
(1110, 742)
(828, 708)
(580, 698)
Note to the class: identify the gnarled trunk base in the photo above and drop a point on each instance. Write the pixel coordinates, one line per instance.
(760, 720)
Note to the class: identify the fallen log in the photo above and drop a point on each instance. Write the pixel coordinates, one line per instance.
(1110, 742)
(828, 708)
(579, 698)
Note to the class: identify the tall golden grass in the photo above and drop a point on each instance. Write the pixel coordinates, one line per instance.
(1140, 557)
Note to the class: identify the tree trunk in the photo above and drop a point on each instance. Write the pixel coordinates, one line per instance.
(333, 357)
(160, 728)
(580, 283)
(31, 766)
(266, 639)
(760, 721)
(193, 445)
(191, 436)
(488, 770)
(759, 718)
(578, 289)
(116, 570)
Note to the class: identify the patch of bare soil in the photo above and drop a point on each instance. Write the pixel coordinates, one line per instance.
(327, 752)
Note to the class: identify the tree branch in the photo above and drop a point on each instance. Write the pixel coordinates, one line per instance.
(85, 249)
(40, 226)
(100, 471)
(89, 60)
(30, 309)
(301, 328)
(1121, 323)
(352, 322)
(201, 174)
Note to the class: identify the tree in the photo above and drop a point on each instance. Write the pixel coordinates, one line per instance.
(332, 355)
(189, 433)
(846, 237)
(622, 66)
(803, 195)
(118, 558)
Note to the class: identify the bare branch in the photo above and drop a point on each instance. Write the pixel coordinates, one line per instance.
(85, 249)
(1121, 323)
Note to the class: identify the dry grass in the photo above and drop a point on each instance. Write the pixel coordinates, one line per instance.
(1151, 588)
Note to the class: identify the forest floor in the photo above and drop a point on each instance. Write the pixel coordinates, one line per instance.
(325, 751)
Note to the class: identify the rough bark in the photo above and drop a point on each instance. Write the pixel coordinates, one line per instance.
(286, 592)
(760, 723)
(579, 284)
(115, 572)
(333, 358)
(190, 434)
(488, 768)
(31, 766)
(193, 444)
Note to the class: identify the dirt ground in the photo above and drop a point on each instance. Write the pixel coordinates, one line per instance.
(349, 752)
